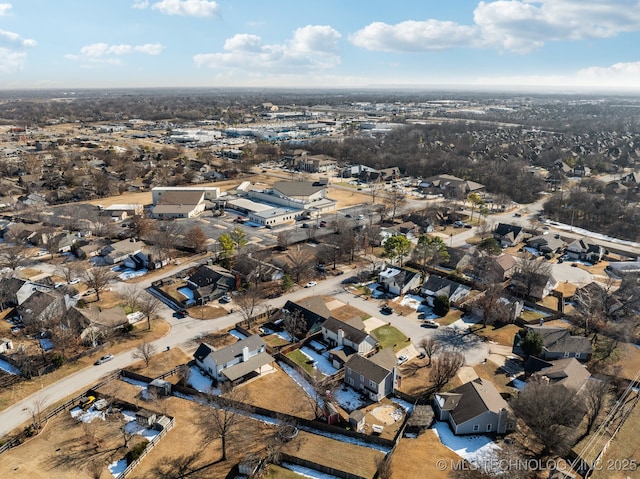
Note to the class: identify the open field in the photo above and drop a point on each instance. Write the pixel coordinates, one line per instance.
(417, 458)
(346, 312)
(340, 455)
(502, 335)
(346, 198)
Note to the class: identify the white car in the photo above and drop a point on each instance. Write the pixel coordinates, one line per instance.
(104, 359)
(403, 359)
(74, 281)
(310, 284)
(360, 217)
(226, 298)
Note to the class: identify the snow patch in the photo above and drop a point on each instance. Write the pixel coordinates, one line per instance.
(117, 467)
(349, 399)
(307, 472)
(475, 449)
(321, 363)
(201, 382)
(88, 415)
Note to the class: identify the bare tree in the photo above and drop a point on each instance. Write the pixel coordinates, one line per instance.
(149, 306)
(94, 469)
(141, 226)
(196, 239)
(445, 367)
(223, 420)
(284, 238)
(596, 397)
(299, 261)
(295, 325)
(531, 272)
(13, 256)
(394, 199)
(131, 295)
(145, 351)
(249, 302)
(552, 412)
(430, 346)
(37, 409)
(68, 271)
(384, 467)
(98, 279)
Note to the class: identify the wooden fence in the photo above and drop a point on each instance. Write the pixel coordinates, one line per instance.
(319, 467)
(147, 449)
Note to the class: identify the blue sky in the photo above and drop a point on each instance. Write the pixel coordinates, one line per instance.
(319, 43)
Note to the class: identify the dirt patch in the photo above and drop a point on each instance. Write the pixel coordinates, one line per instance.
(388, 414)
(502, 334)
(346, 312)
(161, 362)
(346, 198)
(207, 312)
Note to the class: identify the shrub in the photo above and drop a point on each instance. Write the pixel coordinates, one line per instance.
(441, 305)
(136, 451)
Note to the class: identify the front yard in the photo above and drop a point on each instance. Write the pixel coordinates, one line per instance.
(390, 337)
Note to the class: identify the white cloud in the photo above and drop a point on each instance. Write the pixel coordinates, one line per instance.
(312, 47)
(618, 74)
(140, 4)
(98, 50)
(414, 36)
(192, 8)
(4, 9)
(510, 25)
(12, 40)
(11, 61)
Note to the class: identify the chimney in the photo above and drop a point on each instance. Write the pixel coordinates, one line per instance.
(245, 354)
(340, 336)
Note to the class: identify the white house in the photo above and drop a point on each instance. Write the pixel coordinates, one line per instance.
(399, 280)
(241, 360)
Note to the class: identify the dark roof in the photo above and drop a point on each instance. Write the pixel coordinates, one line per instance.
(504, 229)
(211, 280)
(559, 340)
(471, 399)
(203, 351)
(313, 310)
(352, 334)
(367, 368)
(441, 285)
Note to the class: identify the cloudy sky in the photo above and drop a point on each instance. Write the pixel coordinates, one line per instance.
(319, 43)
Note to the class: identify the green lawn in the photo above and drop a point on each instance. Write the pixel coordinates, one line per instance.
(531, 315)
(390, 337)
(301, 360)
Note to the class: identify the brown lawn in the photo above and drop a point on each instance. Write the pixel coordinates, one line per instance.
(452, 316)
(346, 198)
(417, 458)
(207, 312)
(339, 455)
(502, 335)
(492, 372)
(628, 363)
(616, 462)
(161, 362)
(415, 378)
(346, 312)
(278, 392)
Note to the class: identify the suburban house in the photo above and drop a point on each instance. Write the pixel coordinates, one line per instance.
(450, 186)
(501, 268)
(475, 407)
(508, 235)
(238, 362)
(585, 250)
(313, 309)
(117, 252)
(546, 243)
(374, 376)
(558, 343)
(398, 281)
(568, 372)
(43, 305)
(533, 285)
(459, 258)
(408, 229)
(346, 339)
(16, 291)
(435, 286)
(211, 282)
(179, 204)
(593, 296)
(354, 171)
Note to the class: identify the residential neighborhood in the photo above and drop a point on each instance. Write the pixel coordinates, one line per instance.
(268, 304)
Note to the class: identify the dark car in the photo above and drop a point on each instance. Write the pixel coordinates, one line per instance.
(386, 310)
(348, 215)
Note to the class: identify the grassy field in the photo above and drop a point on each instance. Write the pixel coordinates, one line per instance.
(346, 312)
(388, 337)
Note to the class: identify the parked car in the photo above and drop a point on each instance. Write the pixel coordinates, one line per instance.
(360, 217)
(403, 359)
(348, 215)
(386, 310)
(74, 281)
(104, 359)
(310, 284)
(429, 323)
(458, 224)
(226, 298)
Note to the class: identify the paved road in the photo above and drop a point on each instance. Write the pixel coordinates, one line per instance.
(186, 332)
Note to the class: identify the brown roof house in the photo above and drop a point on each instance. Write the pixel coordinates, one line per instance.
(508, 235)
(240, 361)
(568, 372)
(474, 408)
